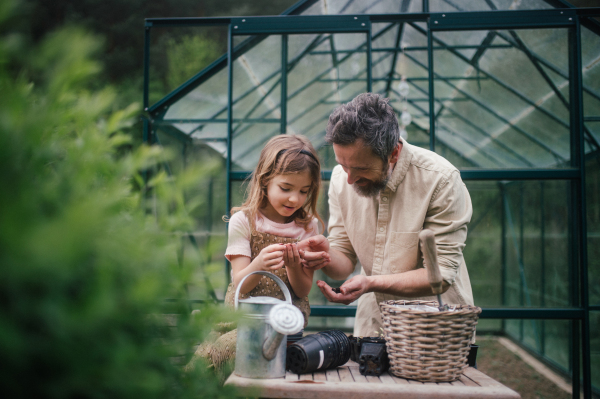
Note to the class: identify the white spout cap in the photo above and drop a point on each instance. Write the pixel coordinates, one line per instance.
(286, 319)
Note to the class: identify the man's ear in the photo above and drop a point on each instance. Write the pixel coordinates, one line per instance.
(396, 153)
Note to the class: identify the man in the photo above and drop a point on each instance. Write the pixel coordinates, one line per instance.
(381, 195)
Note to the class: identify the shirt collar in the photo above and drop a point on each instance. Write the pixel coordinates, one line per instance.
(401, 167)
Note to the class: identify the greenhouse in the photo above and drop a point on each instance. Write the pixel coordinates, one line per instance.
(508, 91)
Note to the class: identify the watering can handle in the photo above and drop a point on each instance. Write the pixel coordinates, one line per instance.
(281, 284)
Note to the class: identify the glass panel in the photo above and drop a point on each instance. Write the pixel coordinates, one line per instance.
(327, 157)
(248, 142)
(178, 54)
(547, 338)
(500, 106)
(390, 66)
(557, 343)
(238, 193)
(517, 249)
(590, 58)
(330, 70)
(208, 100)
(595, 349)
(455, 6)
(205, 202)
(256, 99)
(370, 6)
(321, 323)
(322, 71)
(592, 190)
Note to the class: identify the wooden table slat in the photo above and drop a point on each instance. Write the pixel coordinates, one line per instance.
(468, 382)
(291, 376)
(320, 375)
(483, 379)
(345, 374)
(332, 375)
(347, 383)
(399, 380)
(358, 377)
(385, 378)
(373, 379)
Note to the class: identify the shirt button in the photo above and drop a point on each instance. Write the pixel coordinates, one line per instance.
(377, 260)
(384, 199)
(381, 229)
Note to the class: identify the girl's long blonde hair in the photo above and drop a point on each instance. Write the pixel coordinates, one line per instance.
(284, 154)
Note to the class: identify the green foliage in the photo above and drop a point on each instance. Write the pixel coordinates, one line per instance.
(121, 23)
(188, 56)
(84, 267)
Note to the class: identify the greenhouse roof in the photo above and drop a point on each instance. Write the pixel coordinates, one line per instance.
(501, 78)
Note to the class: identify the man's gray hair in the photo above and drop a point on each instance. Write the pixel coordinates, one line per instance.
(368, 117)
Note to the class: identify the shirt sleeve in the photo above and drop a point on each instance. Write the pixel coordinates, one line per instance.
(238, 236)
(448, 215)
(337, 235)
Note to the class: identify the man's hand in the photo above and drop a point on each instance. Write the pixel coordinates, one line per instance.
(315, 252)
(350, 291)
(314, 244)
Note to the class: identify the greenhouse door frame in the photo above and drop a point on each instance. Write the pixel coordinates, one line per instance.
(569, 19)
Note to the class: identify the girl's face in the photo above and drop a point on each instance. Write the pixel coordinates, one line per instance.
(286, 194)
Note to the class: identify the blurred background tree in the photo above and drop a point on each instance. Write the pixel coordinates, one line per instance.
(87, 257)
(121, 23)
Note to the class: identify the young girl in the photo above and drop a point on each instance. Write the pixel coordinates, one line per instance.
(280, 210)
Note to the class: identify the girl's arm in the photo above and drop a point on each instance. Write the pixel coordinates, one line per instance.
(269, 259)
(300, 277)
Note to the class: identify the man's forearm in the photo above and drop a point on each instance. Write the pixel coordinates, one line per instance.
(409, 284)
(340, 266)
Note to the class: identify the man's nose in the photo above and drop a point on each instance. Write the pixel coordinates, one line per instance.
(352, 178)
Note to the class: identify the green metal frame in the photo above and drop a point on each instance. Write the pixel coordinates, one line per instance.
(574, 171)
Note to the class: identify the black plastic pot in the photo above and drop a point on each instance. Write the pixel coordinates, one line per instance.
(371, 355)
(294, 337)
(472, 356)
(320, 351)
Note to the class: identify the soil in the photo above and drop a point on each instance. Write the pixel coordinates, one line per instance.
(495, 360)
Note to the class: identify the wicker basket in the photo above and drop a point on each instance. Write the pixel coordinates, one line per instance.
(428, 345)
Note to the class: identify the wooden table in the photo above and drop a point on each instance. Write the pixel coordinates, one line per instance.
(346, 382)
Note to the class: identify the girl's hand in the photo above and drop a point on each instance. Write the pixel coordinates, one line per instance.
(271, 257)
(291, 256)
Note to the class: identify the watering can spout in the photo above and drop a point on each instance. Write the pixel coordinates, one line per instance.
(284, 319)
(272, 344)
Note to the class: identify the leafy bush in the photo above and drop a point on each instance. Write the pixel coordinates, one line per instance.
(189, 55)
(83, 266)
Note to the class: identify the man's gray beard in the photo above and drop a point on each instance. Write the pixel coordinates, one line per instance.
(373, 188)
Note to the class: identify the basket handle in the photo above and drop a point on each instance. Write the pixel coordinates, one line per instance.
(428, 247)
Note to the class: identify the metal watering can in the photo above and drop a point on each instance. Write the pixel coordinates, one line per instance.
(262, 332)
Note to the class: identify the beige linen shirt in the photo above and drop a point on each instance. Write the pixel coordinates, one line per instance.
(425, 191)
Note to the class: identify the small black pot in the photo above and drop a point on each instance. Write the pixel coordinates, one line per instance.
(371, 355)
(320, 351)
(472, 356)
